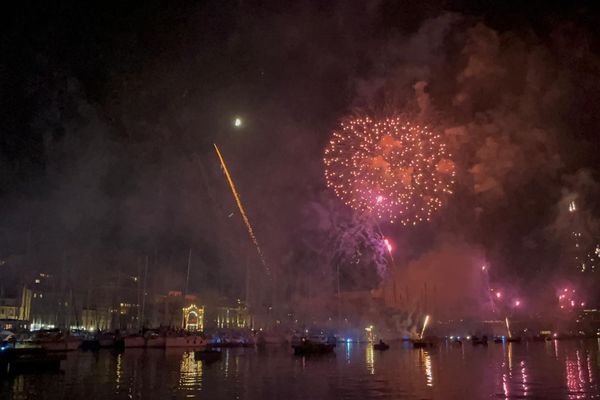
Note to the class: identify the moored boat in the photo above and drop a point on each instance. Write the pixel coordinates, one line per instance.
(134, 341)
(55, 340)
(381, 346)
(14, 360)
(186, 341)
(155, 340)
(475, 340)
(313, 345)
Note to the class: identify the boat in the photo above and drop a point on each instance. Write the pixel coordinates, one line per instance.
(14, 361)
(106, 339)
(381, 346)
(475, 340)
(55, 340)
(155, 340)
(207, 355)
(134, 341)
(186, 341)
(231, 341)
(313, 345)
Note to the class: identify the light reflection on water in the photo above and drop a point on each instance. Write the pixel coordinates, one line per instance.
(427, 365)
(553, 370)
(190, 374)
(370, 353)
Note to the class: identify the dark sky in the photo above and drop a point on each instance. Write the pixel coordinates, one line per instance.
(109, 111)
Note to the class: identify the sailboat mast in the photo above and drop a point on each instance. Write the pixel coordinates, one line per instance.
(187, 275)
(144, 291)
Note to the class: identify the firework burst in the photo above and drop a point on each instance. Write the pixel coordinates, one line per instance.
(390, 168)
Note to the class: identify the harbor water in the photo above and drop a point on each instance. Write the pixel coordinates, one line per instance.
(542, 370)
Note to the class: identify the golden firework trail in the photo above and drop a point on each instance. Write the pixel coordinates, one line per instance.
(508, 328)
(241, 208)
(424, 325)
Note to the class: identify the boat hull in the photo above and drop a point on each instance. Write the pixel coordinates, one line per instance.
(185, 342)
(313, 348)
(134, 342)
(60, 345)
(156, 342)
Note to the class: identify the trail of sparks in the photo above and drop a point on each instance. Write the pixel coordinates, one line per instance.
(424, 325)
(241, 208)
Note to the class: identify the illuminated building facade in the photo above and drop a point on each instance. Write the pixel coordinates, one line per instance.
(193, 318)
(15, 311)
(233, 317)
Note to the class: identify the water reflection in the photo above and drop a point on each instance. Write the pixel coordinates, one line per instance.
(370, 359)
(190, 373)
(428, 372)
(118, 372)
(524, 386)
(506, 368)
(578, 380)
(522, 370)
(348, 352)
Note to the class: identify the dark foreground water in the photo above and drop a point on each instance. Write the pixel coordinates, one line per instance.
(553, 370)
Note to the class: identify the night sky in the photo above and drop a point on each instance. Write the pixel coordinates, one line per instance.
(109, 112)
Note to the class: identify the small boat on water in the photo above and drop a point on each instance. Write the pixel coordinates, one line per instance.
(207, 355)
(107, 339)
(313, 345)
(134, 341)
(228, 340)
(155, 340)
(14, 361)
(381, 346)
(55, 340)
(475, 340)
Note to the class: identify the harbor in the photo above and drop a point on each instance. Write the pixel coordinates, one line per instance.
(556, 369)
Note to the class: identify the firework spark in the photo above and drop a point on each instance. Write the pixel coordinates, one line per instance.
(390, 168)
(508, 328)
(424, 325)
(241, 208)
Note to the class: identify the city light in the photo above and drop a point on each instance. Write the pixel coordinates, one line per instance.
(237, 122)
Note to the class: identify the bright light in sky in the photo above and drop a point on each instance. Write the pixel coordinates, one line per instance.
(517, 303)
(388, 245)
(237, 122)
(498, 294)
